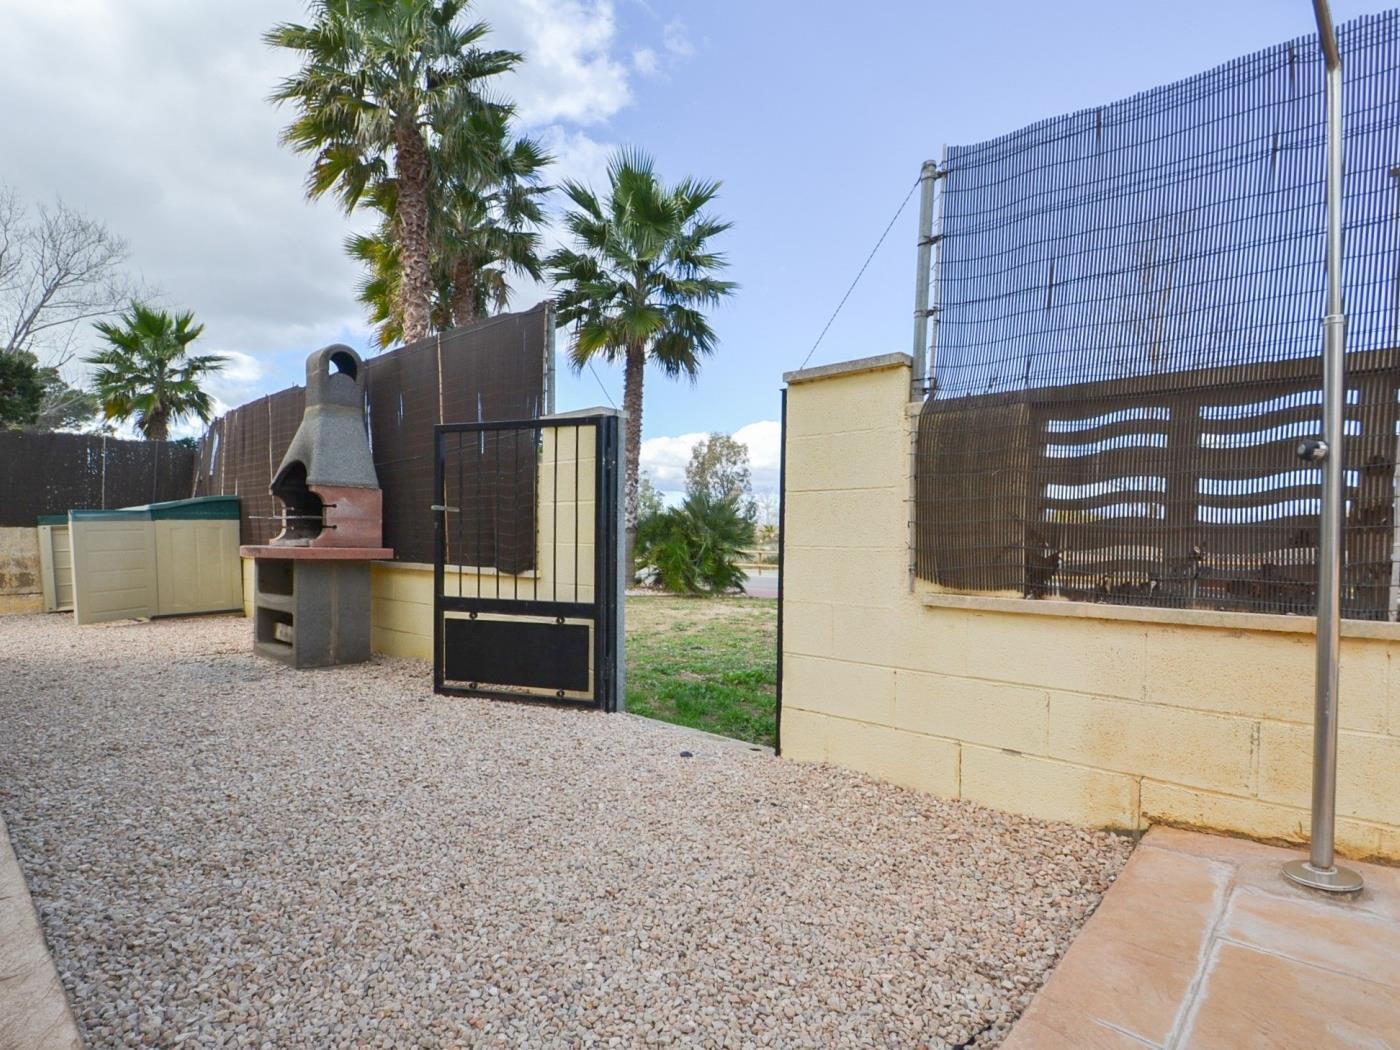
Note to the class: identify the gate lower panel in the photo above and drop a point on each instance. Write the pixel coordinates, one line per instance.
(514, 654)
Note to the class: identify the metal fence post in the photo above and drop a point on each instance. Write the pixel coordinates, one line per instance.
(927, 176)
(1320, 870)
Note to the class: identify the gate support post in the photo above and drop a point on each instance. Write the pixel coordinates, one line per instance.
(616, 610)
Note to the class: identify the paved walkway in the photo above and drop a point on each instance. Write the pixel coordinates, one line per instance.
(1202, 944)
(34, 1012)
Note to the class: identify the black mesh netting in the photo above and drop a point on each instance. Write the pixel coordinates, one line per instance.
(1128, 343)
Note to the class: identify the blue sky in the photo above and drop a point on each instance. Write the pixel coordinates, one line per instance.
(817, 121)
(815, 115)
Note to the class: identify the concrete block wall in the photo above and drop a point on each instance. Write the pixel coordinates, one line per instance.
(21, 578)
(1103, 716)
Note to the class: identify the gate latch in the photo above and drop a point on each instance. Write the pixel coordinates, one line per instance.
(446, 510)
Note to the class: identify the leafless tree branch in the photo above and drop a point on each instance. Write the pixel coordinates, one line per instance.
(58, 270)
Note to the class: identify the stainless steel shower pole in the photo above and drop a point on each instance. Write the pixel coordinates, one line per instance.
(1320, 870)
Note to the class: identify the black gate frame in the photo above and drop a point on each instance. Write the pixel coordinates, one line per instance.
(532, 641)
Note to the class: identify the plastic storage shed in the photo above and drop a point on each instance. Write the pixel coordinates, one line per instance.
(162, 559)
(56, 563)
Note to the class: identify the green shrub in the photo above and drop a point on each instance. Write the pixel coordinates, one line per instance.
(696, 548)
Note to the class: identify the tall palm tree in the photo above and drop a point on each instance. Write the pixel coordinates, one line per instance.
(635, 282)
(484, 210)
(380, 79)
(146, 372)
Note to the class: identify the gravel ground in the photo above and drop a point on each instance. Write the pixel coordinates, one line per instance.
(227, 853)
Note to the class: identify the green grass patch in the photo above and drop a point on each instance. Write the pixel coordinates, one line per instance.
(707, 663)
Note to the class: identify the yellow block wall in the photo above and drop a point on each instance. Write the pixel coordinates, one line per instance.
(1104, 717)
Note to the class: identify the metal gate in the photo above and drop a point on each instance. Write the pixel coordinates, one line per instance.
(527, 597)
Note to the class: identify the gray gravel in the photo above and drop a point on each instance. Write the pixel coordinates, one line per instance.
(227, 853)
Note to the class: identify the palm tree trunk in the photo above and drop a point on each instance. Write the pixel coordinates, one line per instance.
(157, 427)
(632, 452)
(463, 291)
(411, 214)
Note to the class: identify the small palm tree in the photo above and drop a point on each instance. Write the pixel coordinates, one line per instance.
(380, 79)
(635, 283)
(489, 214)
(697, 548)
(145, 371)
(379, 287)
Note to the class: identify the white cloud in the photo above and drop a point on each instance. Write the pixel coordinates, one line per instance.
(676, 37)
(159, 127)
(764, 440)
(569, 72)
(240, 380)
(646, 61)
(665, 458)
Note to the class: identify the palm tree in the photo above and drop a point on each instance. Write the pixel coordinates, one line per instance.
(379, 80)
(634, 284)
(379, 287)
(489, 214)
(145, 371)
(484, 209)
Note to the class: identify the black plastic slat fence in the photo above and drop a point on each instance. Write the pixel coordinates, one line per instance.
(54, 473)
(490, 370)
(1128, 337)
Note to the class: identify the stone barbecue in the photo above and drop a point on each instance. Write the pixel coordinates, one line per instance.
(311, 595)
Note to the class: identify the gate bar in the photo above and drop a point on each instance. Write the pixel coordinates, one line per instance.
(1320, 871)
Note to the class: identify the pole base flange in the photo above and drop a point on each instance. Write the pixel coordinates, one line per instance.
(1336, 879)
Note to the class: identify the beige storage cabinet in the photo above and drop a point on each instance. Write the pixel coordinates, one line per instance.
(56, 563)
(163, 559)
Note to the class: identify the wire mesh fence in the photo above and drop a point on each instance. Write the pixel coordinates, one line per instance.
(1128, 343)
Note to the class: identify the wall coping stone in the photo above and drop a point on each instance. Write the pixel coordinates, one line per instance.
(1228, 621)
(849, 368)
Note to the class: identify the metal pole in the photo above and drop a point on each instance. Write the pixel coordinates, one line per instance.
(549, 353)
(927, 175)
(1320, 870)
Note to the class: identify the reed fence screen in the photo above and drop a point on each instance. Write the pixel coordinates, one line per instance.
(50, 473)
(1128, 304)
(492, 369)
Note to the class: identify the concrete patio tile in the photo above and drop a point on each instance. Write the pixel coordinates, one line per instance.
(1130, 969)
(1317, 932)
(1166, 902)
(1069, 1034)
(34, 1013)
(1115, 984)
(1259, 866)
(1202, 944)
(1251, 1000)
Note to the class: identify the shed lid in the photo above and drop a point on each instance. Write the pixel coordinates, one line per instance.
(199, 508)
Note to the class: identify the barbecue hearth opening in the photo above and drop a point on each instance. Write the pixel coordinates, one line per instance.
(303, 511)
